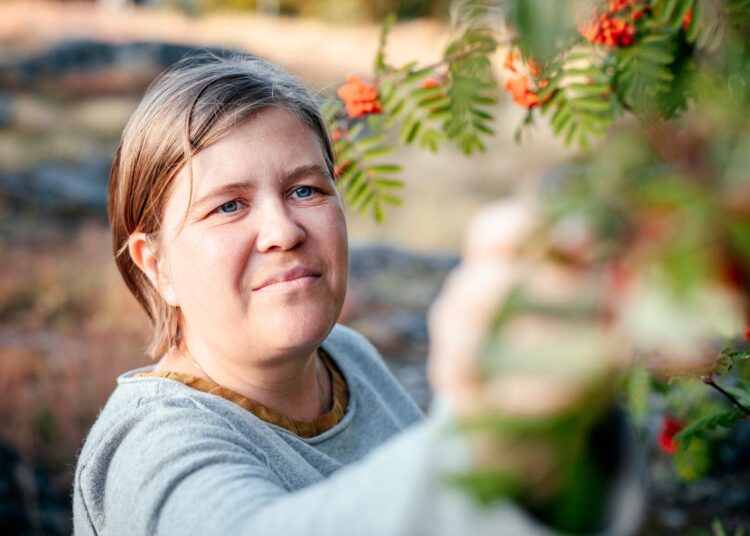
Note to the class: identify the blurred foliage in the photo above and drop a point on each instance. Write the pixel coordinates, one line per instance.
(717, 529)
(658, 212)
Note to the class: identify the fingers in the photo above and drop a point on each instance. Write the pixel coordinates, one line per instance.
(462, 316)
(545, 358)
(459, 321)
(499, 229)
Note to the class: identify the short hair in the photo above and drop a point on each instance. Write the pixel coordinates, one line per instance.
(187, 108)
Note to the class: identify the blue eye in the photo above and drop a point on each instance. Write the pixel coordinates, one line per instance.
(304, 191)
(229, 207)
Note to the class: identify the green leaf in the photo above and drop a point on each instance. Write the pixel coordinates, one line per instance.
(383, 168)
(560, 120)
(418, 75)
(742, 394)
(588, 72)
(572, 131)
(435, 104)
(643, 71)
(589, 89)
(380, 64)
(693, 461)
(694, 27)
(409, 131)
(656, 55)
(481, 114)
(679, 14)
(364, 204)
(356, 130)
(485, 100)
(469, 90)
(367, 142)
(389, 183)
(542, 25)
(357, 189)
(391, 199)
(394, 106)
(664, 10)
(427, 93)
(350, 179)
(481, 127)
(376, 152)
(718, 528)
(702, 427)
(486, 486)
(592, 104)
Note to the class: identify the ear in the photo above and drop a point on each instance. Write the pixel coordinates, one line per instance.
(144, 254)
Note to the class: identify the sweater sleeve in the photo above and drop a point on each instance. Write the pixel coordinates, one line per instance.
(215, 485)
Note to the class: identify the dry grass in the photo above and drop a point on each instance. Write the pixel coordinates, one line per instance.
(67, 329)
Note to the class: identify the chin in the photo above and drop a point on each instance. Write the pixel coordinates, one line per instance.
(300, 330)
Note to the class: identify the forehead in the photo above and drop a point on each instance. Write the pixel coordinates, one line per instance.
(262, 149)
(266, 143)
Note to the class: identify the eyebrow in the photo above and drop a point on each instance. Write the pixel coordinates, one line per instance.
(233, 187)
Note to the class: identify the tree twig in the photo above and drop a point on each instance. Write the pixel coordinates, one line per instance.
(708, 380)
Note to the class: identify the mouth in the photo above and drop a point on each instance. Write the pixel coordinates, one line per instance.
(297, 278)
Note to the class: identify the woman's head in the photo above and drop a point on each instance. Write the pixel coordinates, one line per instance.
(188, 109)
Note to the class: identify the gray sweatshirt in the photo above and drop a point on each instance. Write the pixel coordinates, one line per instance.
(164, 458)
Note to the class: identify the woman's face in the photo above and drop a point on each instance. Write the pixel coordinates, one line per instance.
(257, 260)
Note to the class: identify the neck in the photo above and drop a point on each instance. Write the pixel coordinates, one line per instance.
(298, 387)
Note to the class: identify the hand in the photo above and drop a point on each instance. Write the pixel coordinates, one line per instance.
(552, 358)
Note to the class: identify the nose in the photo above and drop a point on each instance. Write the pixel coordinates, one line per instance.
(278, 227)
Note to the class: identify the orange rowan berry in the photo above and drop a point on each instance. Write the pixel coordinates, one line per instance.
(360, 98)
(611, 31)
(510, 60)
(533, 67)
(521, 94)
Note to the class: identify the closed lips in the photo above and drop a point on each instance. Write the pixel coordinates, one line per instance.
(289, 275)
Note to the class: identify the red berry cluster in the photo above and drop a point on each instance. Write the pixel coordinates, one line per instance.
(615, 27)
(360, 98)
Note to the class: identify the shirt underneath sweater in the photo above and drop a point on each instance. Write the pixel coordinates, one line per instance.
(164, 458)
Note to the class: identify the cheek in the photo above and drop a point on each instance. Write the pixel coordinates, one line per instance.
(334, 235)
(207, 260)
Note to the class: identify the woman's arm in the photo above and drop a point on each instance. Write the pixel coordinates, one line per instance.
(176, 471)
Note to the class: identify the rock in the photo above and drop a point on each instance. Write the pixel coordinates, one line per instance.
(91, 66)
(6, 109)
(411, 374)
(390, 292)
(58, 190)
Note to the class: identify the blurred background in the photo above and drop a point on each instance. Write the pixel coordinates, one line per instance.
(71, 73)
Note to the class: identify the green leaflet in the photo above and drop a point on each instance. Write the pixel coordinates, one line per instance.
(693, 461)
(388, 23)
(701, 427)
(486, 486)
(471, 88)
(643, 71)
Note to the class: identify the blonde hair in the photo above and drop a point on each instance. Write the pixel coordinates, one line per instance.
(186, 109)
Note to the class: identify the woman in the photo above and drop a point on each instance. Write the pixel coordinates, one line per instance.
(261, 415)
